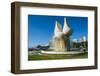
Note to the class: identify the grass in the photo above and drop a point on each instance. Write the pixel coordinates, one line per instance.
(57, 56)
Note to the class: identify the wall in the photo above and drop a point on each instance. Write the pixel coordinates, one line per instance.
(5, 42)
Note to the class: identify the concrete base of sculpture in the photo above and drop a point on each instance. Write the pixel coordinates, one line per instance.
(54, 52)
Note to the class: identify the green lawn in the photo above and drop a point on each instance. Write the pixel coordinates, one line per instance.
(57, 56)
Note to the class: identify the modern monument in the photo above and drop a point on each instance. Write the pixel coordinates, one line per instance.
(61, 38)
(61, 42)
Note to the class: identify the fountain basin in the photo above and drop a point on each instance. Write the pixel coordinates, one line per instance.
(67, 52)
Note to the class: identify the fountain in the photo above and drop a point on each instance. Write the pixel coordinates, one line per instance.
(61, 40)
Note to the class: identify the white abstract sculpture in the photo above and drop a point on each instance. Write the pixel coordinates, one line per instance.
(66, 28)
(58, 30)
(61, 37)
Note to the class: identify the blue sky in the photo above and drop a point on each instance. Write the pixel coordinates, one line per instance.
(41, 28)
